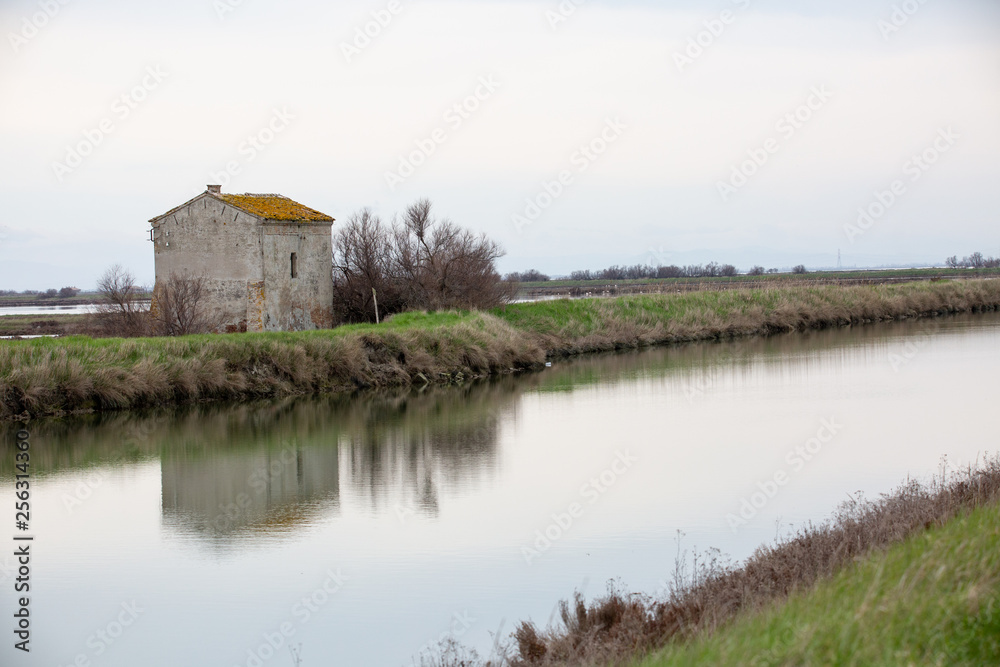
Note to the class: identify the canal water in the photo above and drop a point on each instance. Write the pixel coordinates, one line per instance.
(363, 530)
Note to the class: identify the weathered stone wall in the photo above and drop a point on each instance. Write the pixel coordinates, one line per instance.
(306, 301)
(210, 239)
(256, 305)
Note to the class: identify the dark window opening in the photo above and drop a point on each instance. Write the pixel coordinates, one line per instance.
(295, 265)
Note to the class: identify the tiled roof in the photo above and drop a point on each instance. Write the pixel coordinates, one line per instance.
(274, 207)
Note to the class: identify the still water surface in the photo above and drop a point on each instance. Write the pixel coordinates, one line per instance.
(367, 528)
(47, 310)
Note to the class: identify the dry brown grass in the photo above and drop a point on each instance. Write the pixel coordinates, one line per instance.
(620, 627)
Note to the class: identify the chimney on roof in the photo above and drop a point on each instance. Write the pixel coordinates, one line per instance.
(215, 189)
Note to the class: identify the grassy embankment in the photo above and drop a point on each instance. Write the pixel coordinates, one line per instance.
(932, 600)
(912, 578)
(54, 376)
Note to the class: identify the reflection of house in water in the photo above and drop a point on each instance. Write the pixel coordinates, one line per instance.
(257, 490)
(273, 468)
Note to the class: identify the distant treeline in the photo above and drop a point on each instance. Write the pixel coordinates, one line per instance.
(974, 261)
(64, 293)
(711, 270)
(647, 272)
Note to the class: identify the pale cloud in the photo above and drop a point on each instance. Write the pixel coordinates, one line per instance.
(655, 187)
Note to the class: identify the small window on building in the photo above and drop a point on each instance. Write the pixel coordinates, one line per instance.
(295, 265)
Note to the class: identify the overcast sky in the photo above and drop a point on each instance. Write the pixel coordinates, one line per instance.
(113, 112)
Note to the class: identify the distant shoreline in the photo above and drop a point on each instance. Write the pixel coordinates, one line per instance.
(583, 288)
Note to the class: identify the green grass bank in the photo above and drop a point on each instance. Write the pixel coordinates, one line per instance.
(932, 600)
(47, 377)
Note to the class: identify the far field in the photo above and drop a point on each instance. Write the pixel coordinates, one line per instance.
(56, 324)
(868, 277)
(37, 300)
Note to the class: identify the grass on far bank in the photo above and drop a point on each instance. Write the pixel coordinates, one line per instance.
(40, 325)
(587, 325)
(54, 376)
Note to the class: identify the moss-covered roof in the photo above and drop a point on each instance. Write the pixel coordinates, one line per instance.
(274, 207)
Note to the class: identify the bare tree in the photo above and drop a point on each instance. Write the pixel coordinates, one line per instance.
(363, 269)
(121, 310)
(445, 266)
(178, 306)
(974, 261)
(419, 263)
(800, 270)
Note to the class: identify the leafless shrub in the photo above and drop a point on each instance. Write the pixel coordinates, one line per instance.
(363, 269)
(420, 264)
(445, 266)
(121, 310)
(178, 307)
(756, 271)
(450, 653)
(799, 270)
(531, 276)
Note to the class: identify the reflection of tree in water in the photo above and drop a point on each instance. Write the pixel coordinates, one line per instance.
(406, 451)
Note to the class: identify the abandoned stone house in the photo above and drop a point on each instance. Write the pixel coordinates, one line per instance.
(266, 260)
